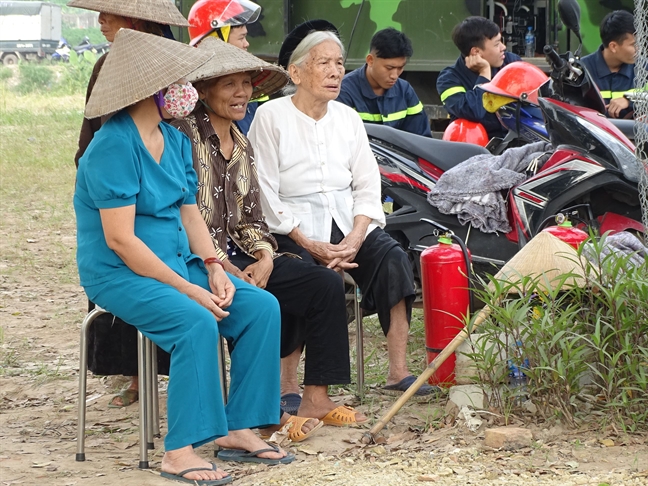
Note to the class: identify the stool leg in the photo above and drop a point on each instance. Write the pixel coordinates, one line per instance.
(149, 394)
(359, 342)
(222, 368)
(83, 380)
(155, 395)
(141, 368)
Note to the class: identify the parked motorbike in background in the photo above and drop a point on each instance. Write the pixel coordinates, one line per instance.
(592, 175)
(62, 53)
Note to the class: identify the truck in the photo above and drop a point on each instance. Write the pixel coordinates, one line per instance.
(428, 23)
(28, 31)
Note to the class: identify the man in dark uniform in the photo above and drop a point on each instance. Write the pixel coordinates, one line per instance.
(612, 65)
(376, 91)
(482, 55)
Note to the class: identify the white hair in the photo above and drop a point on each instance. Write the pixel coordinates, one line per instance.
(302, 50)
(312, 40)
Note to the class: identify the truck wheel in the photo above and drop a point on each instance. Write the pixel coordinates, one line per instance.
(10, 60)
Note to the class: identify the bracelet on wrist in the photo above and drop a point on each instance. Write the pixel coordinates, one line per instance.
(215, 260)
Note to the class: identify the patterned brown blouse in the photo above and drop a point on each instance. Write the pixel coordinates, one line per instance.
(228, 191)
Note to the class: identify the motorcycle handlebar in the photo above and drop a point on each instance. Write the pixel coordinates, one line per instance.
(554, 59)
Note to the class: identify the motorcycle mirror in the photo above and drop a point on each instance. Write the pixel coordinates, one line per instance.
(569, 12)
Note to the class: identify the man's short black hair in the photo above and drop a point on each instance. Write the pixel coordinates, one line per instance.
(616, 26)
(390, 43)
(473, 32)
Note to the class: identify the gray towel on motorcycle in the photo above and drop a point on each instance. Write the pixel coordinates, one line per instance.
(622, 244)
(471, 190)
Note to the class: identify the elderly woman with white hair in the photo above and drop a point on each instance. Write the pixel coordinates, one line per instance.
(320, 193)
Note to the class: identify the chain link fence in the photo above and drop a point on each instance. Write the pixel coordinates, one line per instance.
(641, 101)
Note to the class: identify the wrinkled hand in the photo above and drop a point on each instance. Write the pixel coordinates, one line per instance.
(259, 272)
(222, 287)
(234, 270)
(478, 64)
(207, 299)
(353, 241)
(328, 254)
(616, 106)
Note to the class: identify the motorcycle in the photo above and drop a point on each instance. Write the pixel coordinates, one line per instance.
(86, 45)
(592, 175)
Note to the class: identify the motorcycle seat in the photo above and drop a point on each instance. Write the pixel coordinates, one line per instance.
(444, 155)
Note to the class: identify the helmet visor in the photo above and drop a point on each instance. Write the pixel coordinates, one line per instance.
(237, 12)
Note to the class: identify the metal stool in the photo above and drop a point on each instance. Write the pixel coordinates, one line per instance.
(357, 297)
(148, 390)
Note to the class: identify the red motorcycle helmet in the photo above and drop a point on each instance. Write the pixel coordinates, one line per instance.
(518, 81)
(466, 131)
(207, 16)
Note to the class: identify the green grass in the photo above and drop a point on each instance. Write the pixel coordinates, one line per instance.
(38, 138)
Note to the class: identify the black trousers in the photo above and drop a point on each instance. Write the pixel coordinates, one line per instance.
(112, 347)
(384, 275)
(313, 312)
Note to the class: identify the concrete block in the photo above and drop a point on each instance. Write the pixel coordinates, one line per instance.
(468, 396)
(508, 438)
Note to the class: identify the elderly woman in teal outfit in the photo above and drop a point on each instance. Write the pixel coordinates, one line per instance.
(145, 255)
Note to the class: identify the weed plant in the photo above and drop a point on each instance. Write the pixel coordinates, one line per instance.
(586, 346)
(34, 78)
(77, 72)
(5, 73)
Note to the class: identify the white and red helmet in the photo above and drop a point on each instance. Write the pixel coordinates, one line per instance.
(207, 16)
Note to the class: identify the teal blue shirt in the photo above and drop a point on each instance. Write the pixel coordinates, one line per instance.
(116, 171)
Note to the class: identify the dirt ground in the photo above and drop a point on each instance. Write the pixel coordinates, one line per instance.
(41, 309)
(38, 423)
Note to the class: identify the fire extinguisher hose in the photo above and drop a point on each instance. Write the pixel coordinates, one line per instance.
(471, 276)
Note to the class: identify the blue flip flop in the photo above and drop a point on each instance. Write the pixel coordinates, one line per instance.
(290, 403)
(201, 482)
(238, 455)
(402, 386)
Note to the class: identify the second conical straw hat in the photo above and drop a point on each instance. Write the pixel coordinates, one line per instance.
(228, 59)
(138, 66)
(545, 258)
(159, 11)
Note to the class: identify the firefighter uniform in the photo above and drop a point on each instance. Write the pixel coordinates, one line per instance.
(612, 85)
(399, 107)
(456, 87)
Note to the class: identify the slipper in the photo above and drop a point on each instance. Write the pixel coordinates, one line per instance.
(294, 428)
(402, 386)
(341, 416)
(238, 455)
(202, 482)
(128, 397)
(290, 403)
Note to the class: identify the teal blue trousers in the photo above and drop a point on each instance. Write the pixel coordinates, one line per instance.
(190, 333)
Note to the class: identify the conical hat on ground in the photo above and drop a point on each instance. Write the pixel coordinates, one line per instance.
(138, 66)
(159, 11)
(545, 258)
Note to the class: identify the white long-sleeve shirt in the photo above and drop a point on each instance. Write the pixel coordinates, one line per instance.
(313, 172)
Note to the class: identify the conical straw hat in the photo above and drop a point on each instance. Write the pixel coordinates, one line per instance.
(545, 258)
(228, 59)
(159, 11)
(138, 66)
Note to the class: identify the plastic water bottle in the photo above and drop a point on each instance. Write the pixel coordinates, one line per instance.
(517, 378)
(529, 43)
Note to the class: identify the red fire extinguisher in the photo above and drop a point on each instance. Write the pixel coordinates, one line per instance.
(446, 302)
(566, 232)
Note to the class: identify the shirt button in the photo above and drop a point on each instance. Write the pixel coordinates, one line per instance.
(179, 254)
(179, 229)
(183, 189)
